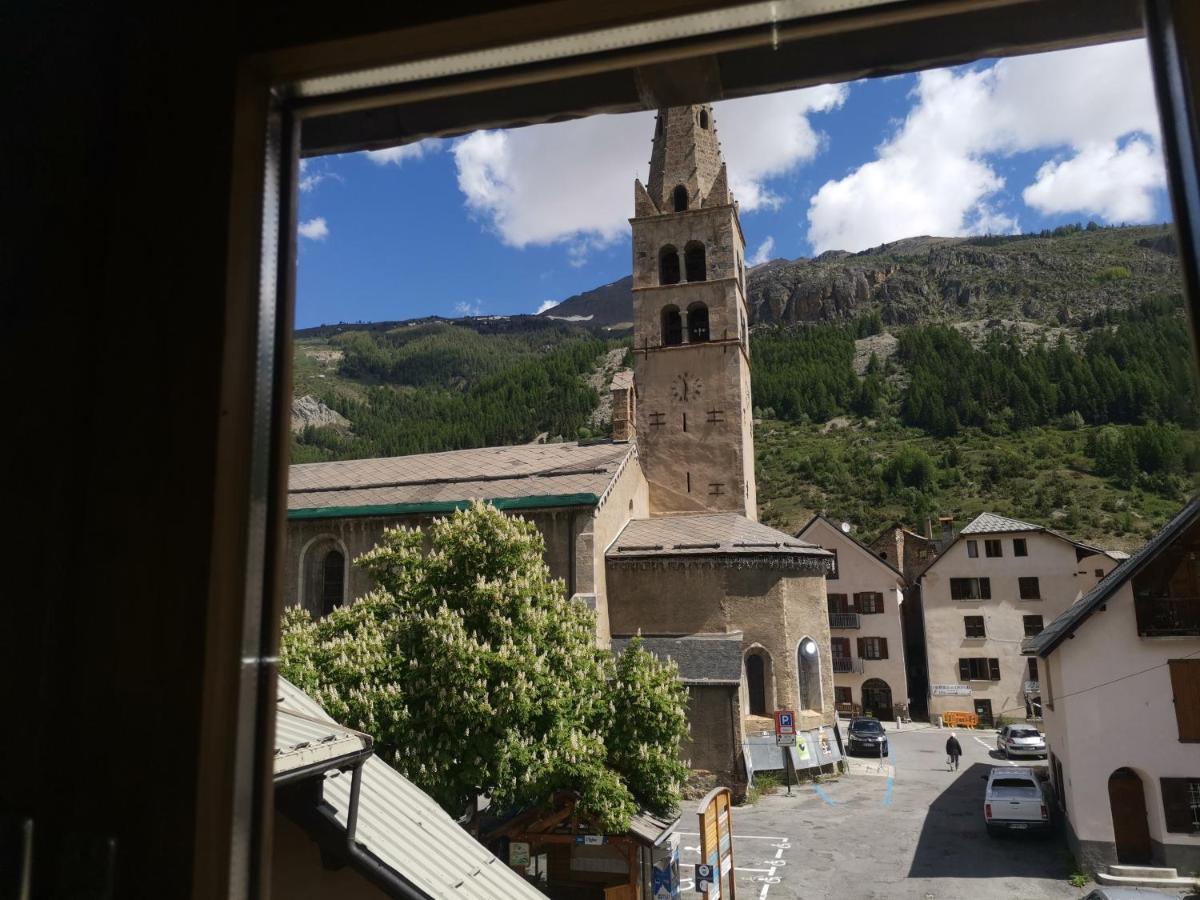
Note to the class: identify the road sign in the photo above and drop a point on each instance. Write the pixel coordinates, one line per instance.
(705, 872)
(518, 853)
(785, 740)
(785, 722)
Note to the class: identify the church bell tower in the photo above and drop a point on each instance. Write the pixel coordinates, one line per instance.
(691, 333)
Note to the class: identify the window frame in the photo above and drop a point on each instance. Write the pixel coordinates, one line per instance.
(1041, 623)
(1023, 585)
(993, 544)
(972, 549)
(981, 588)
(1020, 547)
(969, 665)
(982, 627)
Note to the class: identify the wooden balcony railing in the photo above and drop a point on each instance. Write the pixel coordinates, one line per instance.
(1168, 616)
(844, 620)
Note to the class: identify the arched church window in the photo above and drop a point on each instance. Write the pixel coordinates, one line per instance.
(693, 261)
(668, 265)
(704, 119)
(333, 572)
(757, 678)
(808, 663)
(681, 198)
(697, 323)
(672, 326)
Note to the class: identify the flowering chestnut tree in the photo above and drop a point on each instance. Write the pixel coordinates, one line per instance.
(475, 676)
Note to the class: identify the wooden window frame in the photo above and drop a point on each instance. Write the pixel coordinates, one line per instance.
(1041, 624)
(995, 544)
(1020, 547)
(981, 588)
(1023, 582)
(967, 627)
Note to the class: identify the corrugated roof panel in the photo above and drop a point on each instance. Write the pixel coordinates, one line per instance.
(302, 741)
(408, 832)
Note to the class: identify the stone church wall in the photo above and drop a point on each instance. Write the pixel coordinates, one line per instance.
(772, 607)
(714, 714)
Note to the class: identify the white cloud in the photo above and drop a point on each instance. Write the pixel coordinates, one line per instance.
(545, 305)
(398, 155)
(463, 308)
(763, 253)
(572, 182)
(935, 175)
(314, 229)
(312, 173)
(1117, 183)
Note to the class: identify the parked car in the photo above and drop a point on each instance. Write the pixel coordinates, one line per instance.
(1020, 740)
(1015, 801)
(867, 736)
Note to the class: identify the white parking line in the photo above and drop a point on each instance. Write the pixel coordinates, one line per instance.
(739, 836)
(767, 876)
(986, 746)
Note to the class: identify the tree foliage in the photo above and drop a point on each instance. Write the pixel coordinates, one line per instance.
(475, 675)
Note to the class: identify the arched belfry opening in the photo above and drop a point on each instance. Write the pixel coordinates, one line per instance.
(697, 323)
(693, 261)
(672, 326)
(808, 667)
(668, 265)
(704, 119)
(680, 197)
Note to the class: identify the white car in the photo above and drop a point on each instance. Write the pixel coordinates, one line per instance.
(1015, 801)
(1020, 740)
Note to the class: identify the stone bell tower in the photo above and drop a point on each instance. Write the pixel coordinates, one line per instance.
(691, 327)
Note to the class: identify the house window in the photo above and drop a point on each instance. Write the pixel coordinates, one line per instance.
(973, 627)
(978, 668)
(668, 265)
(993, 548)
(681, 198)
(1020, 548)
(971, 588)
(1032, 668)
(838, 604)
(1030, 590)
(872, 648)
(839, 647)
(843, 698)
(973, 549)
(697, 323)
(1185, 685)
(1033, 625)
(1181, 804)
(868, 602)
(832, 574)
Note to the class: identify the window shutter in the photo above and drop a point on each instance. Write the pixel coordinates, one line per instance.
(1185, 685)
(879, 604)
(964, 669)
(994, 668)
(883, 654)
(985, 588)
(1177, 809)
(861, 644)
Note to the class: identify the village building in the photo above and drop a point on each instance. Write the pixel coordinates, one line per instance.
(999, 581)
(656, 529)
(865, 596)
(1121, 690)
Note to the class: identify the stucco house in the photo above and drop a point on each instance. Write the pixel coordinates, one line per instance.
(1000, 581)
(865, 595)
(1121, 690)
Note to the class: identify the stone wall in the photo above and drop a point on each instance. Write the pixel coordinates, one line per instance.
(714, 713)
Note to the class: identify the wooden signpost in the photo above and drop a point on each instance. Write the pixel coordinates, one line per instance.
(716, 845)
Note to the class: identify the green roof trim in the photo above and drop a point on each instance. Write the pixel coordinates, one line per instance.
(443, 506)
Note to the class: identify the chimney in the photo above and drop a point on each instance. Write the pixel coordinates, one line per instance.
(623, 413)
(929, 528)
(947, 523)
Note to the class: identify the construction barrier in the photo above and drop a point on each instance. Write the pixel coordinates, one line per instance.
(960, 720)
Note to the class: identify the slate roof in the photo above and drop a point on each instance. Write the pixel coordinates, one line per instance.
(990, 523)
(1043, 643)
(527, 477)
(405, 830)
(702, 658)
(705, 535)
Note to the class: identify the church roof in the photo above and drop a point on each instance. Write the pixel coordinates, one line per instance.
(525, 477)
(702, 658)
(706, 535)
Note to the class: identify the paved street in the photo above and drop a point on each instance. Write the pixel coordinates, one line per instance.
(910, 829)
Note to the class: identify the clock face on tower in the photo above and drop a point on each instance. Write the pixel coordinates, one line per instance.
(686, 387)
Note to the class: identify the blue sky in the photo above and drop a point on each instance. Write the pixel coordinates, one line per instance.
(505, 222)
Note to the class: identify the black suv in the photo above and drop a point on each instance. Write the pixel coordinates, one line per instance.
(867, 736)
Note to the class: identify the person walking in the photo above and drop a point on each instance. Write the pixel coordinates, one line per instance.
(953, 752)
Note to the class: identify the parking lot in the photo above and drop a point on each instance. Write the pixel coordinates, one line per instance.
(904, 828)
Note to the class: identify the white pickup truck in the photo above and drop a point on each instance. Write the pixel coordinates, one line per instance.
(1015, 801)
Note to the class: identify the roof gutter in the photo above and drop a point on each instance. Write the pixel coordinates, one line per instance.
(385, 878)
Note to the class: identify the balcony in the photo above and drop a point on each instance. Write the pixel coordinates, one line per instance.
(1168, 616)
(844, 620)
(847, 665)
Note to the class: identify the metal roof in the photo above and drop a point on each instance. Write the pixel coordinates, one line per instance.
(651, 829)
(1043, 643)
(706, 534)
(990, 523)
(407, 831)
(702, 658)
(540, 474)
(302, 741)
